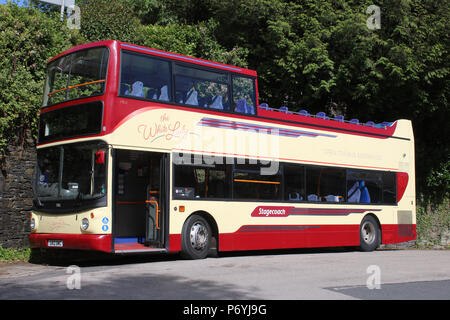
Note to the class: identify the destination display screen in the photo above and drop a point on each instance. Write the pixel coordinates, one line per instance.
(74, 121)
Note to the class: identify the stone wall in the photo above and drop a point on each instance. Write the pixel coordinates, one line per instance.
(16, 196)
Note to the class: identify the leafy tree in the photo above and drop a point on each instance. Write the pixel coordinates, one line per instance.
(121, 20)
(27, 40)
(108, 20)
(312, 55)
(196, 40)
(321, 56)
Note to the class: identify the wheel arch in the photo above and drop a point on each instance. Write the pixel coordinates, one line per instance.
(212, 223)
(373, 215)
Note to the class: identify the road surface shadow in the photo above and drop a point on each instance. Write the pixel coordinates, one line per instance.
(81, 258)
(64, 258)
(275, 252)
(139, 287)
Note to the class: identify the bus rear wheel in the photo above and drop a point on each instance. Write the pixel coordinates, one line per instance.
(195, 238)
(369, 234)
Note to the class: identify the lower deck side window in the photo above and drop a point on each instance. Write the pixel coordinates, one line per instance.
(248, 185)
(325, 184)
(201, 181)
(236, 179)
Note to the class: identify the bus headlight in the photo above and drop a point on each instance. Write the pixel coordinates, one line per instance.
(84, 224)
(32, 224)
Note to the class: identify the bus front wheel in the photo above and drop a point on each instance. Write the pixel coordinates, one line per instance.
(195, 238)
(369, 234)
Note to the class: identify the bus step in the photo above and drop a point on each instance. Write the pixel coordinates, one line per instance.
(136, 248)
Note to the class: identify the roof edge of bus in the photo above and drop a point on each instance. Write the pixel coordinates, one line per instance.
(83, 46)
(173, 55)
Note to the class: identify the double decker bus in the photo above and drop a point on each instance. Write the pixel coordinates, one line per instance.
(145, 151)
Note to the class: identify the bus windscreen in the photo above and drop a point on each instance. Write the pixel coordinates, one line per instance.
(77, 75)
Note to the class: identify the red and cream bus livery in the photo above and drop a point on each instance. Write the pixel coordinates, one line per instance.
(145, 151)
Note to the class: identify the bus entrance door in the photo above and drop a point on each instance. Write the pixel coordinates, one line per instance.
(154, 203)
(152, 225)
(140, 221)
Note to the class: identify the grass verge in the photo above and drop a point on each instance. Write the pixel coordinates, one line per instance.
(14, 255)
(433, 225)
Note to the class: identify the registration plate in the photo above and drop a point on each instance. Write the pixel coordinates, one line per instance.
(55, 243)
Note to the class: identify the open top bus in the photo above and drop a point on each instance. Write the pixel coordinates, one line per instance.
(145, 151)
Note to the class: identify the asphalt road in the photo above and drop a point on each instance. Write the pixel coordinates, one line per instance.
(279, 275)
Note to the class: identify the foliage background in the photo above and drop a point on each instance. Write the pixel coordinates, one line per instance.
(313, 55)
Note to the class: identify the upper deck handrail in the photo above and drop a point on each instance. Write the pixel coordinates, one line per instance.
(75, 86)
(383, 125)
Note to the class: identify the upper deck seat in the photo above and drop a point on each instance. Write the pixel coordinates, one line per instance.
(241, 106)
(304, 113)
(217, 103)
(322, 115)
(383, 125)
(192, 98)
(137, 89)
(339, 118)
(164, 96)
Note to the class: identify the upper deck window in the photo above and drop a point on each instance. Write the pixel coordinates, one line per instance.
(201, 88)
(244, 100)
(153, 78)
(145, 77)
(77, 75)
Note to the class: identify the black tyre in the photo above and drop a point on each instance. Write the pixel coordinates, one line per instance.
(369, 234)
(195, 238)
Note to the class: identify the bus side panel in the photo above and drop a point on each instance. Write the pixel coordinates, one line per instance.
(320, 236)
(174, 242)
(284, 237)
(397, 233)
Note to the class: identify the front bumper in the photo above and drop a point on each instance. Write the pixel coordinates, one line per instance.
(94, 242)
